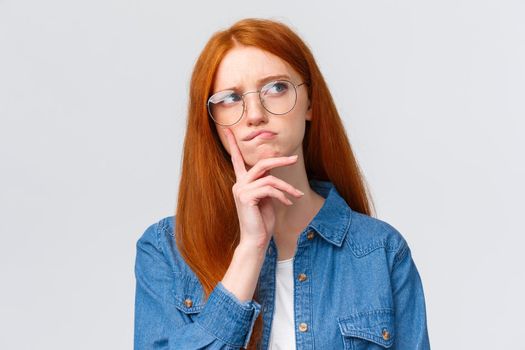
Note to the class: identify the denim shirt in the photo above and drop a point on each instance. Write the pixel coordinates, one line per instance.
(356, 287)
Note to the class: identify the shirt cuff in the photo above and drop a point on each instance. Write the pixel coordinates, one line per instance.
(227, 318)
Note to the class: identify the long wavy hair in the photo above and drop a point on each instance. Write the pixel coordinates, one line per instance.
(207, 226)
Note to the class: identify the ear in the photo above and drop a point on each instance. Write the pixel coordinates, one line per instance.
(308, 115)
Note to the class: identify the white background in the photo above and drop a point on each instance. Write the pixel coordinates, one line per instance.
(92, 105)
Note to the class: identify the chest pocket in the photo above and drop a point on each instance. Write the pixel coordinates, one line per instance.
(188, 295)
(371, 330)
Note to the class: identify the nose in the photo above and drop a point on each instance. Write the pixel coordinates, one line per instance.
(254, 111)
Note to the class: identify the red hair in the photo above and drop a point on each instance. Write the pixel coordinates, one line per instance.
(207, 226)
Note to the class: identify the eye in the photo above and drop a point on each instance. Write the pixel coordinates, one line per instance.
(232, 98)
(275, 88)
(225, 98)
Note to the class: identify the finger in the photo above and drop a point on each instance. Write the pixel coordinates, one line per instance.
(259, 193)
(264, 165)
(237, 159)
(277, 183)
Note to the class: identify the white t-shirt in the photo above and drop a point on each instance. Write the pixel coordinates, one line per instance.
(282, 334)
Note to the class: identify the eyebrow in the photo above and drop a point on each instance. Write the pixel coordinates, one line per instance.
(263, 80)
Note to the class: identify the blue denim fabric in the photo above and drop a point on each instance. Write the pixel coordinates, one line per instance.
(362, 289)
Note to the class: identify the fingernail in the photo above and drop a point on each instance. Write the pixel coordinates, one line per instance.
(293, 157)
(300, 192)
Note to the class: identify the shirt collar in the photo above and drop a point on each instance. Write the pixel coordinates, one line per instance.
(332, 222)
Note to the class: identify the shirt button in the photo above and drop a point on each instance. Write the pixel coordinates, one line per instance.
(386, 334)
(303, 327)
(302, 277)
(188, 303)
(310, 235)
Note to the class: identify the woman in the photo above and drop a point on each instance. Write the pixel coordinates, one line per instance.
(273, 245)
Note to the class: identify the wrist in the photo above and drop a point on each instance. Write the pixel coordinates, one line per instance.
(251, 249)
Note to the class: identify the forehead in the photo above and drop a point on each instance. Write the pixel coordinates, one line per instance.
(242, 66)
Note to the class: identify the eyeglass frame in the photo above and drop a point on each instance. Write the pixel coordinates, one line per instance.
(260, 99)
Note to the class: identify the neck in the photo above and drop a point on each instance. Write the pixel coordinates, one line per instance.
(291, 220)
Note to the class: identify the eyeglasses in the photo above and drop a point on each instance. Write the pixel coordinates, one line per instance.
(277, 97)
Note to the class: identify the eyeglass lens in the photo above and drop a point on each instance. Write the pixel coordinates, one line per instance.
(227, 107)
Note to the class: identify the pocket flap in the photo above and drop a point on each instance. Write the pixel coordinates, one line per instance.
(376, 326)
(189, 295)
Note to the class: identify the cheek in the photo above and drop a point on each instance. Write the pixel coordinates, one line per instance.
(297, 128)
(224, 139)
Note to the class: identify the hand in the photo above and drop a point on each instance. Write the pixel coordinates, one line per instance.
(253, 191)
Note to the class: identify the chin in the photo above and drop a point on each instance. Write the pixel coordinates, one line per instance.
(268, 153)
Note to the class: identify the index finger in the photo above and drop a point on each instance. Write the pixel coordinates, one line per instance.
(235, 152)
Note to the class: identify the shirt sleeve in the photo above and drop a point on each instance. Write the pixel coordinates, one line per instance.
(409, 301)
(224, 323)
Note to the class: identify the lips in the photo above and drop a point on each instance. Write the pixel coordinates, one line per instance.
(256, 133)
